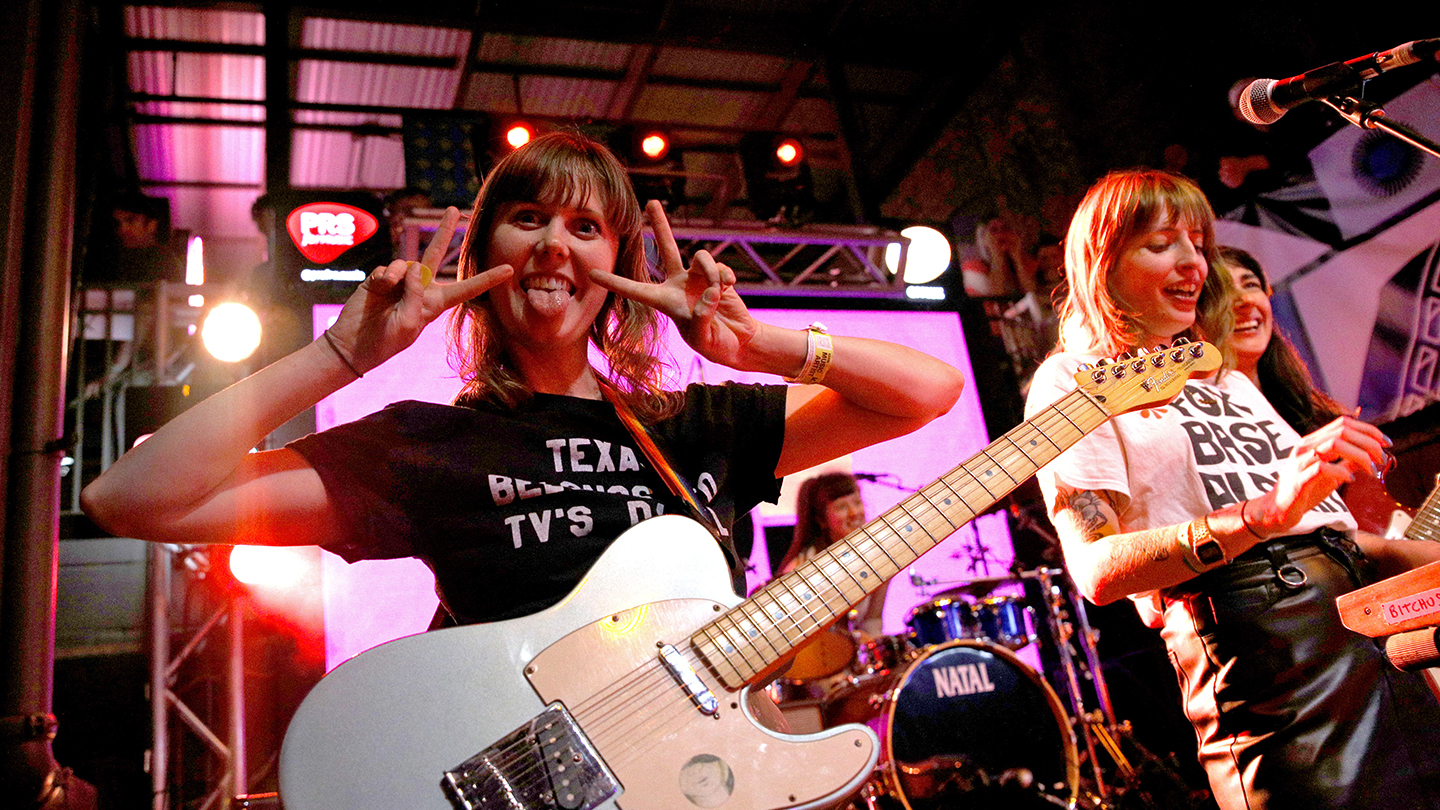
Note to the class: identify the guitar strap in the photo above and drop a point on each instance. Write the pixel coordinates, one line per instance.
(675, 482)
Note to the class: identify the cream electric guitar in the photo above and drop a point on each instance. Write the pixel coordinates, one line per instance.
(630, 693)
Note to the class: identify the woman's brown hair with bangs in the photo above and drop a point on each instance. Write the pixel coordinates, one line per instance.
(561, 166)
(1121, 206)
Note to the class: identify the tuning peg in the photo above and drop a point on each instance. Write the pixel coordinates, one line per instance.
(1123, 357)
(1083, 367)
(1197, 350)
(1177, 355)
(1158, 359)
(1104, 361)
(1179, 341)
(1141, 351)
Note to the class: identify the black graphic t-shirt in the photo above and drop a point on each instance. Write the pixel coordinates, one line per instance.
(510, 509)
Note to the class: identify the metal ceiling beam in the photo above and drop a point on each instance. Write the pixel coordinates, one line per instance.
(278, 92)
(148, 45)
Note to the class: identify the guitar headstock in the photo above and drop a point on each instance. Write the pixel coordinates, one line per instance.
(1149, 378)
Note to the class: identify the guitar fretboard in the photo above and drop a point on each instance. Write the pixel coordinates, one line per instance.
(1426, 525)
(756, 634)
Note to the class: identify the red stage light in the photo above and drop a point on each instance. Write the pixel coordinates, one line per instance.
(654, 145)
(518, 135)
(272, 566)
(788, 152)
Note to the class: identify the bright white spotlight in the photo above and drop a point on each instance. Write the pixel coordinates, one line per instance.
(276, 566)
(231, 332)
(518, 135)
(788, 152)
(929, 254)
(195, 261)
(654, 146)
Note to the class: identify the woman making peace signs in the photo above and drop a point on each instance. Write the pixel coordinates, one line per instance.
(513, 492)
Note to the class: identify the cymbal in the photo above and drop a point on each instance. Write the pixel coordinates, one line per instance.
(977, 588)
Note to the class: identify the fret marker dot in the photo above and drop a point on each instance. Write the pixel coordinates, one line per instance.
(909, 527)
(948, 501)
(778, 615)
(728, 648)
(806, 596)
(864, 574)
(753, 633)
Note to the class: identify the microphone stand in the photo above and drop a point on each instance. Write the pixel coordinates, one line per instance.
(1369, 115)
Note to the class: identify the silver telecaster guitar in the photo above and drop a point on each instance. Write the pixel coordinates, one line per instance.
(630, 693)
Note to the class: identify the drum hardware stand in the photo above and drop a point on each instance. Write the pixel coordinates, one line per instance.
(1098, 727)
(1063, 632)
(977, 552)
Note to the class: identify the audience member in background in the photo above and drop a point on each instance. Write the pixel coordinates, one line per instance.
(143, 236)
(1002, 265)
(400, 204)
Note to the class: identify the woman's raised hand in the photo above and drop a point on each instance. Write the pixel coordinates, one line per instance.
(396, 302)
(700, 299)
(1319, 463)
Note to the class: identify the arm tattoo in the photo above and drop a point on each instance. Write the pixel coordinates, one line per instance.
(1085, 504)
(1094, 522)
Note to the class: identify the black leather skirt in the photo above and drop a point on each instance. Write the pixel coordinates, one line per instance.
(1291, 709)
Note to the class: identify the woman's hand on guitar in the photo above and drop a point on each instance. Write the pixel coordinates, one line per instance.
(1318, 464)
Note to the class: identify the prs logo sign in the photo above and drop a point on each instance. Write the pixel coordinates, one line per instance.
(324, 230)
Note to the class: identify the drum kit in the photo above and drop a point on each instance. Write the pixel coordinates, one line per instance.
(964, 721)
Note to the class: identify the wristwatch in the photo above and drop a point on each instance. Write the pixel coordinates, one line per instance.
(1207, 549)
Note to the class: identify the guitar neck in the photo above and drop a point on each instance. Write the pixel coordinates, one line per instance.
(1426, 525)
(757, 634)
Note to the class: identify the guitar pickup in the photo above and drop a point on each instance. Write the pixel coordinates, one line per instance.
(544, 764)
(686, 676)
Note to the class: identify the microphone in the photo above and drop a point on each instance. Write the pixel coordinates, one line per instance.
(1265, 100)
(1416, 649)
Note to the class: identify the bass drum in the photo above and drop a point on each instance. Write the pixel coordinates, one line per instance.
(971, 725)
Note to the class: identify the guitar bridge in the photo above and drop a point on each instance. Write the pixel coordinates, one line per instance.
(546, 763)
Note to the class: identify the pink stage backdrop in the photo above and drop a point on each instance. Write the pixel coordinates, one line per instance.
(372, 602)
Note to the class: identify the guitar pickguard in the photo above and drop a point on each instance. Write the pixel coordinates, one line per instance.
(668, 752)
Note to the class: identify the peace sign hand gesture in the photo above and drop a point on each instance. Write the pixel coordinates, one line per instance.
(396, 302)
(700, 299)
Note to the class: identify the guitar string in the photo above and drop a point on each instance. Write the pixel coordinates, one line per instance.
(922, 505)
(686, 706)
(643, 677)
(533, 776)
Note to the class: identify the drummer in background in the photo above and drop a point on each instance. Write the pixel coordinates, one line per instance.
(827, 508)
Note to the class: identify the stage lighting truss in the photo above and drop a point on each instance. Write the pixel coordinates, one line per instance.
(821, 260)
